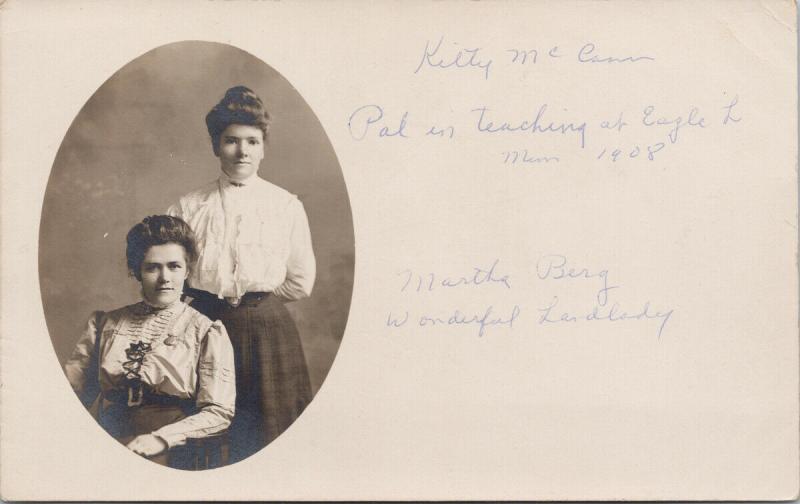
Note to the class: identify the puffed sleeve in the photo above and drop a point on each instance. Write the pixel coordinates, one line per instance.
(216, 391)
(301, 268)
(81, 368)
(175, 210)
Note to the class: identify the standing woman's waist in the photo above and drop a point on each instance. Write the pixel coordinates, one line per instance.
(248, 299)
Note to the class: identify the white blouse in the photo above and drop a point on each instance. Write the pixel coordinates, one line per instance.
(252, 237)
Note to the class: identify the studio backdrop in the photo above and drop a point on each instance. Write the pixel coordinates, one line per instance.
(140, 143)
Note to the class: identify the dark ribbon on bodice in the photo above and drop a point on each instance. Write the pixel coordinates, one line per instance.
(133, 379)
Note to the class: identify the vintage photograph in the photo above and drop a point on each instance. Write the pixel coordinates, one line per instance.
(576, 275)
(196, 255)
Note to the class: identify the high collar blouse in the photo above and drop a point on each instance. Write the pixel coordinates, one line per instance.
(252, 236)
(190, 358)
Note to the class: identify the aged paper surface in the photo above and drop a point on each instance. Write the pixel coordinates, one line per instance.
(575, 237)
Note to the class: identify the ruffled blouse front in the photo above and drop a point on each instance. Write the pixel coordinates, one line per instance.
(253, 237)
(190, 357)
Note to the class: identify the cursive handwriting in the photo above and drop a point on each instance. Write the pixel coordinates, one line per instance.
(535, 125)
(365, 116)
(479, 276)
(729, 111)
(395, 321)
(677, 123)
(522, 156)
(612, 314)
(586, 54)
(463, 58)
(555, 267)
(631, 137)
(482, 320)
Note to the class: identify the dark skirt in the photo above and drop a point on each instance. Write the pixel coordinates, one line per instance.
(272, 382)
(124, 423)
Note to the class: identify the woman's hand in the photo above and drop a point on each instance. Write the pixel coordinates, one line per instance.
(148, 445)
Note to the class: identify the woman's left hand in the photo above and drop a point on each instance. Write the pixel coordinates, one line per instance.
(147, 445)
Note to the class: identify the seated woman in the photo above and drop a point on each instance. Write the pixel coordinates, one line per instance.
(164, 372)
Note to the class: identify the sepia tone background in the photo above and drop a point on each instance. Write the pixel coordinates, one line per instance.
(140, 143)
(572, 412)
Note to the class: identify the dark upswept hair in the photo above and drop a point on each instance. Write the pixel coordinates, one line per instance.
(240, 105)
(158, 230)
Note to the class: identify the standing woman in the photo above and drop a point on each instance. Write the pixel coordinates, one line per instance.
(255, 254)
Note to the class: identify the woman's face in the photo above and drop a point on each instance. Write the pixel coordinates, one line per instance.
(163, 272)
(241, 149)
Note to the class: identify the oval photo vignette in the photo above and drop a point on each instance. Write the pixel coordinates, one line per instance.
(140, 143)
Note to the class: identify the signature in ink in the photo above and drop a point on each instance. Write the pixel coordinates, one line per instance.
(463, 58)
(555, 267)
(479, 276)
